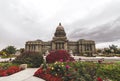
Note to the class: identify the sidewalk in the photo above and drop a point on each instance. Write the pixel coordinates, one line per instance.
(25, 75)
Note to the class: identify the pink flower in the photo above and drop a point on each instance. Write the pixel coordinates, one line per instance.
(67, 67)
(61, 60)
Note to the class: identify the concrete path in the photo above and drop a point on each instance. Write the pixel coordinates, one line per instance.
(110, 59)
(25, 75)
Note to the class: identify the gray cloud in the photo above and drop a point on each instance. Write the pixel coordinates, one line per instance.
(23, 20)
(103, 33)
(103, 27)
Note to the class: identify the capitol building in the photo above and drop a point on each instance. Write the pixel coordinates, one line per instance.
(60, 42)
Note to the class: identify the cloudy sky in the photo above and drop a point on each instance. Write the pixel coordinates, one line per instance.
(23, 20)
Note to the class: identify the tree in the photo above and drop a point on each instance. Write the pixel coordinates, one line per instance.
(9, 50)
(107, 50)
(114, 48)
(22, 50)
(99, 50)
(2, 53)
(118, 51)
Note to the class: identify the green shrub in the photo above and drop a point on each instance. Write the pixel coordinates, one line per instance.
(86, 71)
(111, 71)
(33, 59)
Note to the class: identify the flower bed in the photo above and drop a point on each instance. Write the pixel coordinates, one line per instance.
(9, 71)
(78, 71)
(41, 73)
(67, 71)
(5, 71)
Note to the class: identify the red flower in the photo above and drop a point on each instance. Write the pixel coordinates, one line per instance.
(12, 70)
(39, 72)
(59, 55)
(3, 73)
(99, 79)
(9, 71)
(46, 76)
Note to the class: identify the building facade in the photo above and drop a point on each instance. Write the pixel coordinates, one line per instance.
(60, 42)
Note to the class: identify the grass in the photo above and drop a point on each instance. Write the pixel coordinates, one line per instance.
(8, 56)
(7, 64)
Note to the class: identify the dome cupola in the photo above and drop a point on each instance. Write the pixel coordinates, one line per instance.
(60, 31)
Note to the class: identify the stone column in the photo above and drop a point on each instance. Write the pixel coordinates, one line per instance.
(57, 46)
(65, 46)
(93, 49)
(26, 47)
(53, 46)
(40, 48)
(83, 48)
(37, 47)
(80, 48)
(88, 47)
(33, 47)
(30, 47)
(62, 45)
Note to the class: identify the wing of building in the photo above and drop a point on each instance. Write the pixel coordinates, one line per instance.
(59, 42)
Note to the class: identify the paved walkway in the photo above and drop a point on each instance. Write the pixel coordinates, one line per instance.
(25, 75)
(110, 59)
